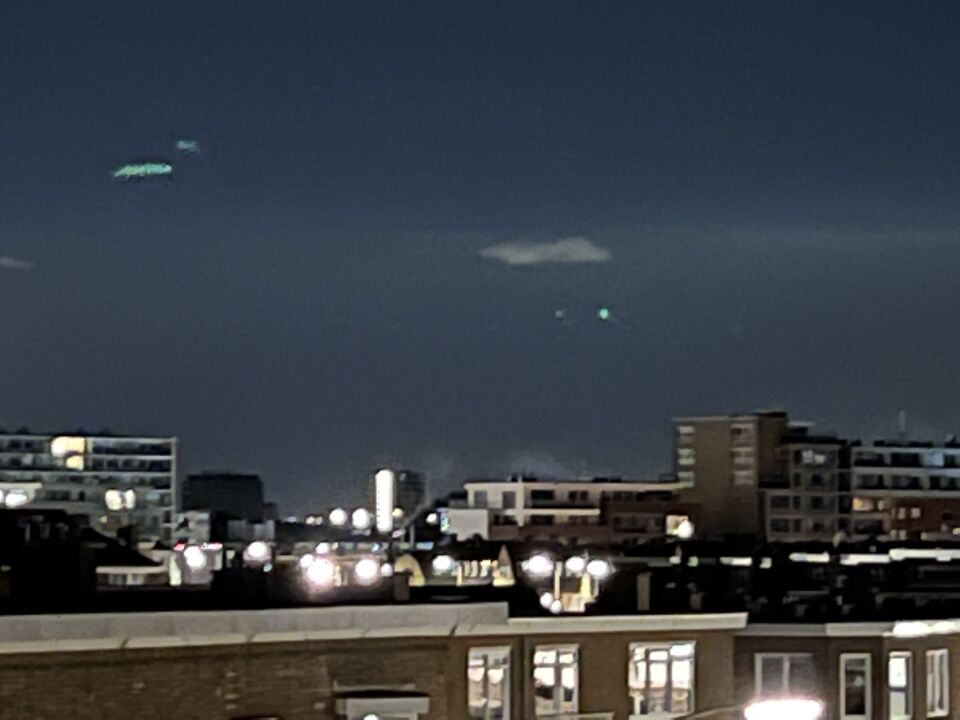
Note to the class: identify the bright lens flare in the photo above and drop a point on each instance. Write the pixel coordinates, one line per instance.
(786, 709)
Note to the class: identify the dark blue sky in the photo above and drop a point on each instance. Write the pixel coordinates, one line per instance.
(776, 185)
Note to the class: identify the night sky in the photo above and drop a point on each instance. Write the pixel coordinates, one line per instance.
(395, 198)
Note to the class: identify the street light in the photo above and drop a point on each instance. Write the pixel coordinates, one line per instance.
(257, 552)
(338, 517)
(599, 569)
(784, 709)
(443, 564)
(362, 519)
(321, 572)
(539, 565)
(367, 570)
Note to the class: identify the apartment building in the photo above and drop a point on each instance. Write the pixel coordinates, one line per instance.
(810, 499)
(725, 460)
(905, 490)
(455, 662)
(601, 510)
(466, 662)
(860, 671)
(113, 480)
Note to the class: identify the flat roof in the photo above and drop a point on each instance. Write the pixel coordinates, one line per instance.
(114, 631)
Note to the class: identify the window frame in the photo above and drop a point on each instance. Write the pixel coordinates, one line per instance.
(907, 691)
(758, 659)
(936, 654)
(632, 684)
(557, 667)
(868, 691)
(504, 652)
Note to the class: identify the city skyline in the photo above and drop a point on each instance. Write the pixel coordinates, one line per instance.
(405, 221)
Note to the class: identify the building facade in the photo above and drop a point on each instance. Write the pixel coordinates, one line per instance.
(726, 460)
(599, 511)
(466, 662)
(113, 480)
(907, 491)
(810, 499)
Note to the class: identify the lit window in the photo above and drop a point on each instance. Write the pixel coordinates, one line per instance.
(555, 679)
(938, 683)
(661, 678)
(900, 684)
(914, 513)
(855, 686)
(488, 683)
(783, 674)
(863, 505)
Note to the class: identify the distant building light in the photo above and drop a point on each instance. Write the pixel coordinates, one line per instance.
(361, 519)
(338, 517)
(305, 561)
(432, 518)
(321, 572)
(322, 548)
(575, 565)
(599, 569)
(556, 607)
(865, 559)
(195, 558)
(443, 564)
(810, 557)
(257, 552)
(546, 600)
(384, 486)
(766, 563)
(539, 565)
(117, 500)
(66, 445)
(16, 498)
(386, 570)
(366, 570)
(679, 526)
(737, 561)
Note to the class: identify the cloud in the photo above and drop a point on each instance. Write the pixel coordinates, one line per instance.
(571, 251)
(12, 263)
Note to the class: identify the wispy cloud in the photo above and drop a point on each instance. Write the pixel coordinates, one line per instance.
(12, 263)
(570, 251)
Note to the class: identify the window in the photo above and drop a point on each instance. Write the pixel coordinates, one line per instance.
(555, 679)
(900, 684)
(480, 499)
(488, 683)
(855, 686)
(938, 683)
(779, 525)
(780, 674)
(509, 499)
(780, 502)
(661, 678)
(915, 513)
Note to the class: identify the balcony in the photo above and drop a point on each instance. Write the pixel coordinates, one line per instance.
(578, 716)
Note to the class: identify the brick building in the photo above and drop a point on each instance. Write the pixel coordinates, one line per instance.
(460, 662)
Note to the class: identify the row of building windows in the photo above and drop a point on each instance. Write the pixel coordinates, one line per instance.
(661, 681)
